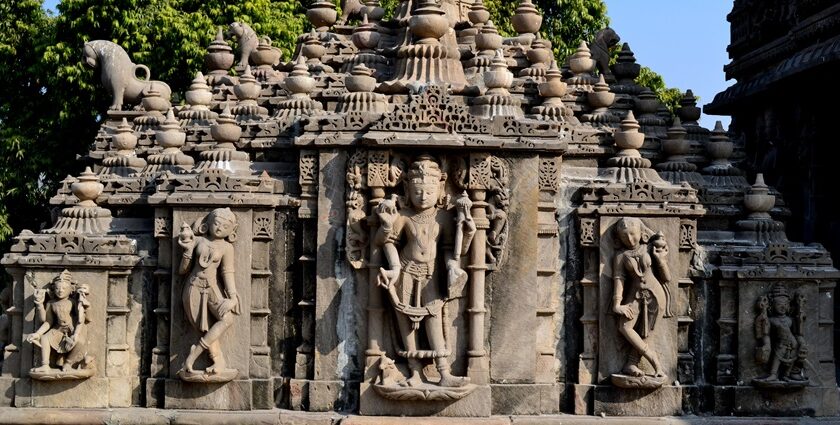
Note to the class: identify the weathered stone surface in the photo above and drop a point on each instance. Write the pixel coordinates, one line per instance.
(233, 395)
(612, 401)
(525, 399)
(381, 227)
(513, 336)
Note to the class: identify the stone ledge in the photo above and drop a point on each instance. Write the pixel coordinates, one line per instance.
(148, 416)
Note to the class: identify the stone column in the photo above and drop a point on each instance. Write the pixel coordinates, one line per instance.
(304, 357)
(162, 277)
(478, 370)
(377, 169)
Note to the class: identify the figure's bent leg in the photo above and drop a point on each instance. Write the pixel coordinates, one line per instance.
(641, 346)
(434, 330)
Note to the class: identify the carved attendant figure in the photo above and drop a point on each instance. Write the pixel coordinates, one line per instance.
(210, 309)
(637, 297)
(63, 330)
(410, 275)
(780, 339)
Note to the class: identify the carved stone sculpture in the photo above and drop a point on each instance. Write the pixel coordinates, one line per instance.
(247, 39)
(641, 297)
(210, 307)
(780, 341)
(119, 73)
(62, 331)
(410, 275)
(600, 48)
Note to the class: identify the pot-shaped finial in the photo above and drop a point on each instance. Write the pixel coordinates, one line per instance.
(219, 57)
(372, 11)
(312, 48)
(124, 140)
(428, 22)
(169, 134)
(719, 146)
(299, 82)
(265, 54)
(322, 15)
(675, 144)
(225, 130)
(489, 39)
(647, 102)
(553, 85)
(629, 138)
(365, 36)
(758, 201)
(248, 88)
(581, 61)
(688, 111)
(526, 19)
(539, 53)
(87, 188)
(199, 93)
(360, 79)
(625, 67)
(601, 96)
(153, 101)
(498, 78)
(478, 14)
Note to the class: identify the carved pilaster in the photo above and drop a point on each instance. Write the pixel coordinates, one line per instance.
(308, 179)
(548, 279)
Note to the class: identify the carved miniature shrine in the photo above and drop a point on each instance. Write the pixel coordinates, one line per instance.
(414, 217)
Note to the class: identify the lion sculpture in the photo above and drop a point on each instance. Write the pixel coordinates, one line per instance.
(119, 74)
(247, 39)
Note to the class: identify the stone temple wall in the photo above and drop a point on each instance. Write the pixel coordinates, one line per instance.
(415, 217)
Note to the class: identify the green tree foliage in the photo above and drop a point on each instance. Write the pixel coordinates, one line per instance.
(23, 29)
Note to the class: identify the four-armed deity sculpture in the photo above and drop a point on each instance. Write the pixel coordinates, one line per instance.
(411, 274)
(63, 331)
(210, 308)
(641, 297)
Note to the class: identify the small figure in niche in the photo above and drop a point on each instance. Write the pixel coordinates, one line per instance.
(640, 278)
(779, 339)
(209, 309)
(63, 330)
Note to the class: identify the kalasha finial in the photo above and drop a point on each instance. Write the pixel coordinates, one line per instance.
(365, 36)
(226, 130)
(219, 57)
(428, 22)
(322, 15)
(526, 19)
(84, 218)
(582, 65)
(688, 112)
(478, 14)
(628, 140)
(498, 79)
(600, 98)
(169, 134)
(87, 188)
(360, 79)
(758, 201)
(124, 140)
